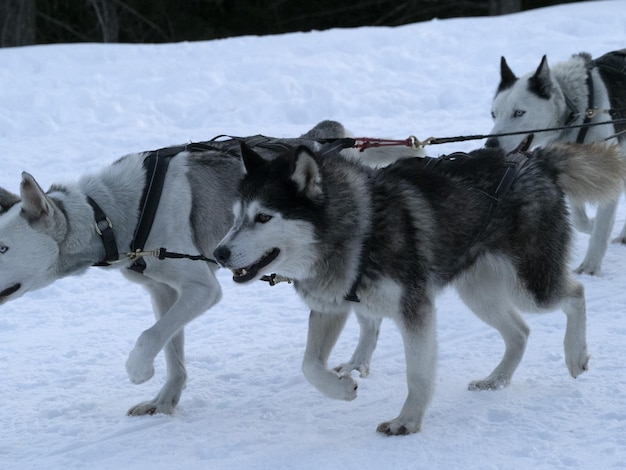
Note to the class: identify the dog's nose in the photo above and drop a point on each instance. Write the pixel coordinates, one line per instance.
(492, 142)
(221, 254)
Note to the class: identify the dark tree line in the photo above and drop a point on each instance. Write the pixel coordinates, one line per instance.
(24, 22)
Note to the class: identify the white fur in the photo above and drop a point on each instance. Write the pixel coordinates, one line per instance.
(43, 243)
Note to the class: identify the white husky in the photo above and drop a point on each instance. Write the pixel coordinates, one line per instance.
(580, 90)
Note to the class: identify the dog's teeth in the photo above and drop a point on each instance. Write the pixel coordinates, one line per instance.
(244, 272)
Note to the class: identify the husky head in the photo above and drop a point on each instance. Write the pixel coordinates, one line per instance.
(278, 208)
(533, 101)
(31, 227)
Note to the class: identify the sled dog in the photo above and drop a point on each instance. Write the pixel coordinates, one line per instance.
(384, 242)
(45, 236)
(577, 91)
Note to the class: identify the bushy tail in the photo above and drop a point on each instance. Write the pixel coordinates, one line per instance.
(587, 173)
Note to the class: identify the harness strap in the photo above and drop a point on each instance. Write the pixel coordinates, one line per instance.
(104, 228)
(582, 133)
(156, 165)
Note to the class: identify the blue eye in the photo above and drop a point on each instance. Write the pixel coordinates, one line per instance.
(518, 113)
(3, 249)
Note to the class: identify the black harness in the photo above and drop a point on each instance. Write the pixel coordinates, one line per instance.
(613, 63)
(582, 133)
(156, 164)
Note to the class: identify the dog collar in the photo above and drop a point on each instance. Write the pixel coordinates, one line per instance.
(104, 228)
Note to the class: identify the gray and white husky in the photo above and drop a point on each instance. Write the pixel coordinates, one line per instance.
(384, 242)
(579, 90)
(45, 236)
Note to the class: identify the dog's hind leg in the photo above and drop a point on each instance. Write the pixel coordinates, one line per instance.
(581, 221)
(621, 238)
(362, 356)
(487, 292)
(599, 240)
(575, 342)
(324, 329)
(420, 349)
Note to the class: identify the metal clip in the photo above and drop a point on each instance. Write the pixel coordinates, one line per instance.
(139, 253)
(417, 144)
(108, 223)
(591, 112)
(274, 279)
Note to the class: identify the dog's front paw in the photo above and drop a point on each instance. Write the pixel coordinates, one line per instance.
(138, 369)
(488, 384)
(344, 388)
(331, 384)
(397, 427)
(151, 408)
(577, 364)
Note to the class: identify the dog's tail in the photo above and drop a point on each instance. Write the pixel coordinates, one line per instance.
(587, 173)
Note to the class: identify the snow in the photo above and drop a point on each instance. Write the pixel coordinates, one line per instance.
(66, 110)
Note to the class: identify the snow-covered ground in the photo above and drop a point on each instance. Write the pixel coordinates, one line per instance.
(66, 110)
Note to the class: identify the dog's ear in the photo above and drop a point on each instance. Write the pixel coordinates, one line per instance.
(507, 77)
(306, 173)
(34, 201)
(7, 200)
(251, 160)
(541, 82)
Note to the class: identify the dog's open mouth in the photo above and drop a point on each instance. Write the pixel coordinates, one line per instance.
(9, 290)
(249, 272)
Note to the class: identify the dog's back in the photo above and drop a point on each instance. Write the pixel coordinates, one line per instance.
(469, 204)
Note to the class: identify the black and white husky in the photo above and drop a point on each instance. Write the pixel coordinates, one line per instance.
(574, 92)
(384, 242)
(45, 236)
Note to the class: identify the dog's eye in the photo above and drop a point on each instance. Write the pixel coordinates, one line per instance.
(3, 249)
(262, 218)
(518, 113)
(493, 115)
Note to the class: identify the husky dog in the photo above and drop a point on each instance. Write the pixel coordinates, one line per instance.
(578, 91)
(385, 241)
(48, 235)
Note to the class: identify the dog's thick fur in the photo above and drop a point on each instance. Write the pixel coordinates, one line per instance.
(539, 100)
(401, 233)
(48, 235)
